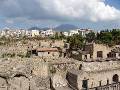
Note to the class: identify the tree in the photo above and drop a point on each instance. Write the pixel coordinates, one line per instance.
(90, 37)
(58, 36)
(116, 36)
(105, 37)
(75, 41)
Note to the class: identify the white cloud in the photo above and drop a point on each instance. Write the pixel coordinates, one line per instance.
(92, 10)
(80, 10)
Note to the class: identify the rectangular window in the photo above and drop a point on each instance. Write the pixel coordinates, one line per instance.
(99, 54)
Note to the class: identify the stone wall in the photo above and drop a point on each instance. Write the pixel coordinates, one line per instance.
(96, 74)
(40, 69)
(100, 47)
(97, 66)
(48, 43)
(49, 54)
(58, 80)
(21, 49)
(23, 74)
(94, 78)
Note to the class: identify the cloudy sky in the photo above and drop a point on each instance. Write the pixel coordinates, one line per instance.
(96, 14)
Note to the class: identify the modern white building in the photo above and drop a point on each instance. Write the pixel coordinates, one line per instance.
(48, 32)
(35, 33)
(83, 32)
(72, 32)
(66, 33)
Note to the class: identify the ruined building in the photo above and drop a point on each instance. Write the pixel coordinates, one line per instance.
(99, 68)
(96, 52)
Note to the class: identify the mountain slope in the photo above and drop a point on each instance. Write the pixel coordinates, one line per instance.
(65, 27)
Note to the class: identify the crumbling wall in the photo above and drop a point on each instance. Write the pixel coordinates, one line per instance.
(19, 75)
(97, 66)
(96, 73)
(96, 79)
(100, 47)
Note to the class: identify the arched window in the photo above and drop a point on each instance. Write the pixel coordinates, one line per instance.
(115, 78)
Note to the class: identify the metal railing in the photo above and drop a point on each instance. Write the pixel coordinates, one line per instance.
(115, 86)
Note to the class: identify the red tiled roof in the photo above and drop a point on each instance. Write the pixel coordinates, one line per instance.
(47, 49)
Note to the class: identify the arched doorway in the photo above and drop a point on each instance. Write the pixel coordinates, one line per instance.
(19, 82)
(115, 78)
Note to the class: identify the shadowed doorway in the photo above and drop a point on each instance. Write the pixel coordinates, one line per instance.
(115, 78)
(85, 84)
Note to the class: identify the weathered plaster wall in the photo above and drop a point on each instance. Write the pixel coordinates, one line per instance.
(95, 72)
(101, 47)
(94, 78)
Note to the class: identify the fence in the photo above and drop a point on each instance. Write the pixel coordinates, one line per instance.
(115, 86)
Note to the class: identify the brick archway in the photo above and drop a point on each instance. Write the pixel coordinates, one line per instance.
(115, 78)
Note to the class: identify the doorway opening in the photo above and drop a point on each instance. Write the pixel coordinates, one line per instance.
(115, 78)
(85, 84)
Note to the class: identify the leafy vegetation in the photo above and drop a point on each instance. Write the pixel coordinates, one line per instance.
(21, 55)
(52, 70)
(28, 54)
(10, 55)
(58, 36)
(107, 37)
(90, 37)
(75, 41)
